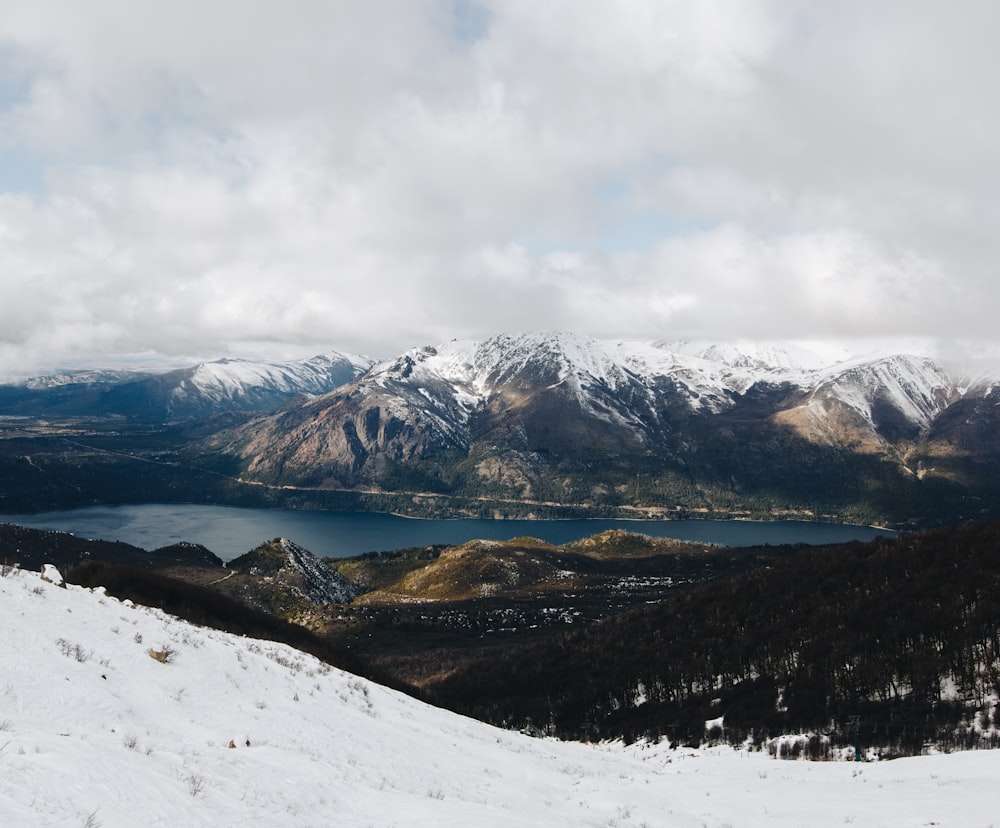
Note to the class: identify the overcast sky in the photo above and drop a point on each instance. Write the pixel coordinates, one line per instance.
(196, 179)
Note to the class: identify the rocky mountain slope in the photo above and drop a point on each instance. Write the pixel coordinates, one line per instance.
(282, 577)
(663, 427)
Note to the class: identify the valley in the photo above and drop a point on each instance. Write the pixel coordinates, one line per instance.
(621, 635)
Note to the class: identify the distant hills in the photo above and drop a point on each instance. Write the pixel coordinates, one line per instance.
(31, 548)
(202, 390)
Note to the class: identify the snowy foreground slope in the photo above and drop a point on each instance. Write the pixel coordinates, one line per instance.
(95, 731)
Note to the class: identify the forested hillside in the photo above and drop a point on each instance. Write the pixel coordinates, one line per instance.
(903, 633)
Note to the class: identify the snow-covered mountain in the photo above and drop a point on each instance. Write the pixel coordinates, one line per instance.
(201, 390)
(557, 418)
(244, 385)
(566, 418)
(897, 397)
(707, 376)
(112, 713)
(79, 377)
(623, 383)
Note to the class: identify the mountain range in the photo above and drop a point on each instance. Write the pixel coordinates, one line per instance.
(658, 427)
(531, 424)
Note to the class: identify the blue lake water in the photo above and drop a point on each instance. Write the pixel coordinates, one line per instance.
(230, 532)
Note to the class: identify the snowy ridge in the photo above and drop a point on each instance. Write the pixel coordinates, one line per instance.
(623, 382)
(458, 378)
(769, 356)
(233, 379)
(635, 385)
(439, 383)
(983, 384)
(110, 711)
(580, 365)
(708, 376)
(914, 386)
(82, 377)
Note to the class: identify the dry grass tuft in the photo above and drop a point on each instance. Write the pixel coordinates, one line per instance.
(164, 655)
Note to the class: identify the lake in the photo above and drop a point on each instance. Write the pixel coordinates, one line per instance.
(229, 531)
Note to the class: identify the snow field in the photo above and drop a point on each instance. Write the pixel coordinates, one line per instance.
(94, 731)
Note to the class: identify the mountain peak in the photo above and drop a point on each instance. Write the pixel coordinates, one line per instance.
(295, 568)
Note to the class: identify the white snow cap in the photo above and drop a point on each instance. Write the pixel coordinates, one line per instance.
(52, 575)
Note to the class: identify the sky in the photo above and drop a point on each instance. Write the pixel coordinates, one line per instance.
(204, 179)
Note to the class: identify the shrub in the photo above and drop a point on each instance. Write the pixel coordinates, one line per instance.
(196, 784)
(74, 651)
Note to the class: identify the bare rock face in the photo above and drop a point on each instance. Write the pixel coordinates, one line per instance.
(340, 440)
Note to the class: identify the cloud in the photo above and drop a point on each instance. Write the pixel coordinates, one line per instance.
(189, 178)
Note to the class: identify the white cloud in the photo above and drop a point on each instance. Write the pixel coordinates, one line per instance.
(374, 176)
